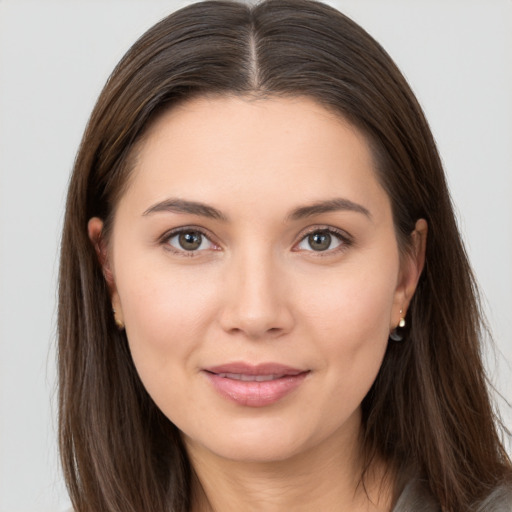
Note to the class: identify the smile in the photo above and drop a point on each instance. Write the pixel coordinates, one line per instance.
(255, 386)
(250, 378)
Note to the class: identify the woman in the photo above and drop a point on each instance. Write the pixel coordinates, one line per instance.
(264, 300)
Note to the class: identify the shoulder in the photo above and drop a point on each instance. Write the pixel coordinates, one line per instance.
(416, 497)
(499, 500)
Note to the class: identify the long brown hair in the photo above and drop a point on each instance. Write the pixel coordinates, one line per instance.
(429, 408)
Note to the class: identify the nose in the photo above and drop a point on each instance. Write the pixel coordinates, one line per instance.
(257, 303)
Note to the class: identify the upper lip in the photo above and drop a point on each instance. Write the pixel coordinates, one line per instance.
(241, 368)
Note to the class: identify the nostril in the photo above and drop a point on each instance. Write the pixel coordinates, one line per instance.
(262, 332)
(255, 308)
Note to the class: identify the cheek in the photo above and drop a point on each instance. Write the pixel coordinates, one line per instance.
(166, 314)
(352, 305)
(348, 315)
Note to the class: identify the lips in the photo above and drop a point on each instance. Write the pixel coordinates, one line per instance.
(250, 378)
(255, 386)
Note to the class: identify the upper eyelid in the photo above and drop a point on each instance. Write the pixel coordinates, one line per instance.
(331, 229)
(345, 238)
(164, 240)
(183, 229)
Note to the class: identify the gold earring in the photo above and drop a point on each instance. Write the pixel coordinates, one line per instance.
(118, 321)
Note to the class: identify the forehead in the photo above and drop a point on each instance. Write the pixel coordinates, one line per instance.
(229, 149)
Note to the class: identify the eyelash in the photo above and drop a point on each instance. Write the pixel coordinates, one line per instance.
(166, 237)
(345, 240)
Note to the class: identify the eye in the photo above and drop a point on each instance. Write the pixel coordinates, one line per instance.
(189, 240)
(322, 240)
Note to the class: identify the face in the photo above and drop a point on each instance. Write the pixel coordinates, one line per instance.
(254, 263)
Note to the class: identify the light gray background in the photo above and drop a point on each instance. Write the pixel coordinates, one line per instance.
(55, 57)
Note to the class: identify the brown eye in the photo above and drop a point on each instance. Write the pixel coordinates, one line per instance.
(189, 241)
(323, 240)
(319, 241)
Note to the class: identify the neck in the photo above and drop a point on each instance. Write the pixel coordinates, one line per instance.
(326, 477)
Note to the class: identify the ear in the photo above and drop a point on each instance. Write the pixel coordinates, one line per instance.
(95, 231)
(411, 267)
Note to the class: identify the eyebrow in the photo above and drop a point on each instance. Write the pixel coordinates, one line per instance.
(183, 206)
(196, 208)
(331, 205)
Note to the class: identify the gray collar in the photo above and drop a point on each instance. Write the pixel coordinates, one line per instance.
(416, 498)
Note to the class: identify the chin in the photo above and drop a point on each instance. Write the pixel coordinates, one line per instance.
(269, 440)
(255, 451)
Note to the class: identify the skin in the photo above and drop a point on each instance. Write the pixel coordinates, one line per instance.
(256, 291)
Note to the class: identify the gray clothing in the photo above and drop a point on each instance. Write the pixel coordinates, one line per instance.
(415, 498)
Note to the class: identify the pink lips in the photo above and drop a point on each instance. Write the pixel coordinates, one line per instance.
(254, 386)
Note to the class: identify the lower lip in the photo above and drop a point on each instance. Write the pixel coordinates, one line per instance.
(255, 394)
